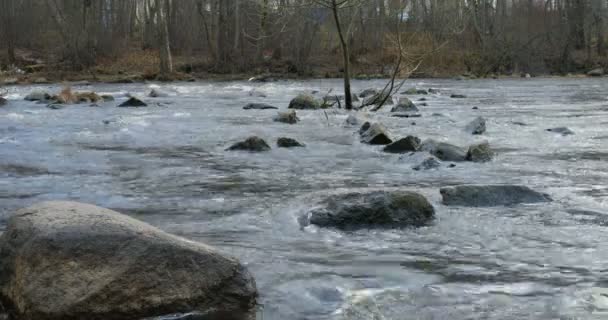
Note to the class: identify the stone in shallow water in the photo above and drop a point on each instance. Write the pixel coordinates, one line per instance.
(561, 130)
(428, 164)
(376, 134)
(490, 195)
(378, 209)
(62, 260)
(288, 143)
(477, 126)
(258, 106)
(480, 153)
(133, 102)
(444, 151)
(407, 144)
(289, 117)
(303, 102)
(253, 144)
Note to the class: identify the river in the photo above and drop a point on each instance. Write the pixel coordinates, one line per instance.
(166, 165)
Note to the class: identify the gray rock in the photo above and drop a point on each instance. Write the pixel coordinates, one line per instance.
(133, 103)
(596, 72)
(289, 117)
(3, 101)
(561, 130)
(253, 144)
(376, 135)
(406, 115)
(258, 106)
(405, 105)
(477, 126)
(444, 151)
(304, 101)
(480, 153)
(351, 120)
(38, 96)
(158, 93)
(428, 164)
(422, 99)
(56, 106)
(407, 144)
(256, 93)
(288, 143)
(458, 96)
(490, 195)
(107, 97)
(69, 261)
(414, 91)
(433, 91)
(379, 209)
(368, 93)
(364, 127)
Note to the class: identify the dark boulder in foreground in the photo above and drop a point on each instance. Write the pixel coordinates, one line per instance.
(480, 153)
(444, 151)
(258, 106)
(133, 102)
(490, 195)
(288, 143)
(70, 261)
(303, 102)
(378, 209)
(253, 144)
(477, 126)
(376, 134)
(561, 130)
(407, 144)
(289, 117)
(3, 101)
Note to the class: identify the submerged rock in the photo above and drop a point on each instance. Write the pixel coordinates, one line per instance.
(490, 195)
(406, 115)
(407, 144)
(56, 106)
(458, 96)
(379, 209)
(3, 101)
(444, 151)
(38, 96)
(405, 105)
(480, 153)
(158, 93)
(303, 102)
(433, 91)
(477, 126)
(258, 106)
(428, 164)
(364, 127)
(376, 134)
(88, 97)
(69, 261)
(289, 117)
(133, 102)
(288, 143)
(253, 144)
(352, 120)
(414, 91)
(107, 97)
(562, 130)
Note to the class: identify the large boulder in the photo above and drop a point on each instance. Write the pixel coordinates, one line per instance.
(133, 103)
(38, 96)
(258, 106)
(405, 105)
(289, 117)
(480, 152)
(70, 261)
(253, 144)
(444, 151)
(288, 143)
(378, 209)
(304, 101)
(376, 134)
(490, 195)
(477, 126)
(407, 144)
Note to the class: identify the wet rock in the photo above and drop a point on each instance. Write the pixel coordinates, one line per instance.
(88, 97)
(477, 126)
(133, 103)
(377, 99)
(458, 96)
(288, 143)
(56, 106)
(253, 144)
(405, 105)
(480, 153)
(422, 99)
(596, 72)
(38, 96)
(414, 91)
(257, 93)
(158, 93)
(368, 93)
(490, 195)
(406, 115)
(3, 101)
(376, 135)
(444, 151)
(107, 97)
(424, 104)
(428, 164)
(379, 209)
(258, 106)
(352, 120)
(304, 101)
(289, 117)
(475, 108)
(407, 144)
(69, 261)
(364, 127)
(561, 130)
(433, 91)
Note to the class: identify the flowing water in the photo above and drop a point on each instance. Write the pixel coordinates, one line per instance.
(166, 165)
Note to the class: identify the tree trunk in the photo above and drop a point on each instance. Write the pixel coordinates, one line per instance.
(166, 62)
(347, 95)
